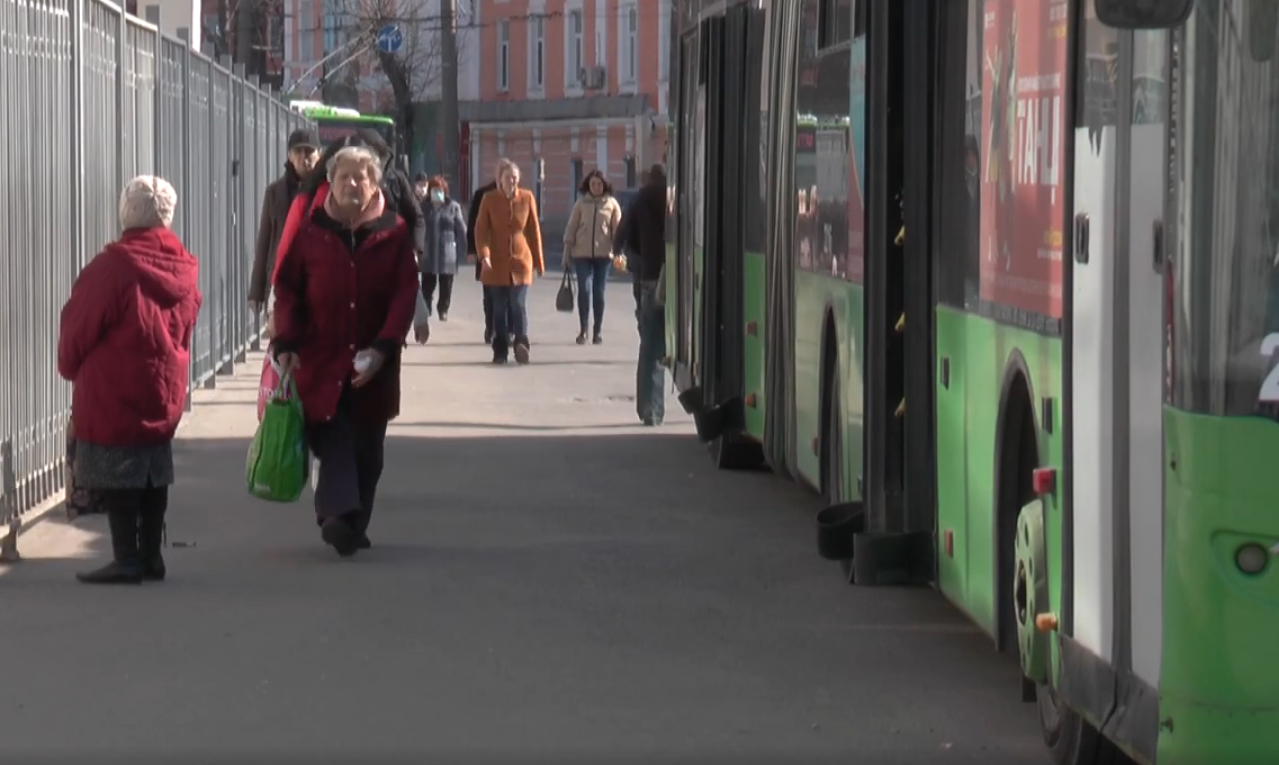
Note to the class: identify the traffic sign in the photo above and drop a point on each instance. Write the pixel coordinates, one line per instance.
(389, 39)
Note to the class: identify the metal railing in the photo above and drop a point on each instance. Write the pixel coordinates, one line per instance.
(92, 97)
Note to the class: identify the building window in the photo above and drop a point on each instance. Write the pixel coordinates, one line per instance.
(577, 178)
(306, 31)
(537, 52)
(630, 45)
(573, 55)
(504, 55)
(664, 47)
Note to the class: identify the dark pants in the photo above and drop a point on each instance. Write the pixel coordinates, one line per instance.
(592, 278)
(637, 291)
(510, 316)
(650, 375)
(350, 455)
(446, 290)
(136, 519)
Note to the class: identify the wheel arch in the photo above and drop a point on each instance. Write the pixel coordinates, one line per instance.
(1016, 448)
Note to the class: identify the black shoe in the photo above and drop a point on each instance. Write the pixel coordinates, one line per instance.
(598, 339)
(488, 337)
(339, 534)
(521, 353)
(499, 358)
(112, 573)
(581, 337)
(444, 315)
(363, 542)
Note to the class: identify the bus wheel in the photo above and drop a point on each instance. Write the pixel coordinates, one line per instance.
(1070, 739)
(734, 452)
(832, 476)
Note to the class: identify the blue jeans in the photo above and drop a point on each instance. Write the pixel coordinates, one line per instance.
(592, 278)
(510, 316)
(650, 375)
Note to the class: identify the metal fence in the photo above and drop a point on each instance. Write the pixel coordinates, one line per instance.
(92, 97)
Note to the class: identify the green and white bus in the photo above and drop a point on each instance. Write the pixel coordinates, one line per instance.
(1000, 279)
(337, 122)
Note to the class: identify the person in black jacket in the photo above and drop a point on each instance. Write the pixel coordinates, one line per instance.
(398, 189)
(622, 244)
(647, 237)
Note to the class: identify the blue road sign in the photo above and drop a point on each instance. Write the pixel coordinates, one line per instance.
(389, 39)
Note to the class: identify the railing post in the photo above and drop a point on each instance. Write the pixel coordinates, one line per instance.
(121, 46)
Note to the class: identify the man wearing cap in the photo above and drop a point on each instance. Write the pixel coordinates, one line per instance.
(303, 153)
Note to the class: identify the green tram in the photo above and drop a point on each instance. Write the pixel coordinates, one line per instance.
(1000, 279)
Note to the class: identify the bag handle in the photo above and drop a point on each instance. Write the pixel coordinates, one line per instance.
(567, 281)
(286, 381)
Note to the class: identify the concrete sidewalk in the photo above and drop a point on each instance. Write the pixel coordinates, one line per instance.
(549, 580)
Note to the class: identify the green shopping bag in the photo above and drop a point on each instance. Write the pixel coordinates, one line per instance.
(278, 463)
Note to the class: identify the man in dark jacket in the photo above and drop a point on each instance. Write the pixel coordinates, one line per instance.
(303, 153)
(471, 215)
(398, 189)
(622, 244)
(648, 239)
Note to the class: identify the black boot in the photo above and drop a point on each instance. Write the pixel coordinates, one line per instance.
(126, 568)
(340, 534)
(150, 542)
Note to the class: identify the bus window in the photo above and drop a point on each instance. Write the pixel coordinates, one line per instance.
(1225, 256)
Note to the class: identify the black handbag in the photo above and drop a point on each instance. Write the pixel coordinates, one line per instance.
(564, 298)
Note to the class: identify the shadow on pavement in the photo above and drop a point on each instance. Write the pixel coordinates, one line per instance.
(595, 593)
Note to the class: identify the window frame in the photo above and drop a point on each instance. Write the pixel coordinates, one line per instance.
(504, 56)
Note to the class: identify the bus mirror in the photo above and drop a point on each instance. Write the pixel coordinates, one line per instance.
(1262, 25)
(1144, 14)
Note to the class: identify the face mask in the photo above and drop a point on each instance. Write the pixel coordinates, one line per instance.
(437, 195)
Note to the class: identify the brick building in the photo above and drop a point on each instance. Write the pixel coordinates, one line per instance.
(570, 86)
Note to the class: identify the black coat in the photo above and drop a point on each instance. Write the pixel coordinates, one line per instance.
(647, 231)
(400, 196)
(275, 210)
(472, 214)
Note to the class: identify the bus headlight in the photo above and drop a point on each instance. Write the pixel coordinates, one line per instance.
(1252, 559)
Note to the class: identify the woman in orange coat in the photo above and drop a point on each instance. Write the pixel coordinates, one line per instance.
(508, 240)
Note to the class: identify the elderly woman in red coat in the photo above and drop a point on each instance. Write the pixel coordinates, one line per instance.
(345, 293)
(125, 344)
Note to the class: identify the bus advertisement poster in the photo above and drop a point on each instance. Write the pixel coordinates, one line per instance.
(1023, 204)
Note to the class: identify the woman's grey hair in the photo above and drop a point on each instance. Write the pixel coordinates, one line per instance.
(364, 155)
(147, 201)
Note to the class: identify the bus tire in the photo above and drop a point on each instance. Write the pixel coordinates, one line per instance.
(832, 451)
(1072, 740)
(730, 451)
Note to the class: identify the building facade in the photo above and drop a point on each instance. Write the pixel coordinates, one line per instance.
(567, 87)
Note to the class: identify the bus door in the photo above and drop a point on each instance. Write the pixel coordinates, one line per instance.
(684, 328)
(1117, 348)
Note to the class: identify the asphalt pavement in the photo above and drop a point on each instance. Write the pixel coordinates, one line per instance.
(550, 581)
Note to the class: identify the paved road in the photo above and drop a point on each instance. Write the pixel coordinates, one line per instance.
(549, 581)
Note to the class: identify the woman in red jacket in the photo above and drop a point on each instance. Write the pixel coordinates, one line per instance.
(125, 344)
(345, 293)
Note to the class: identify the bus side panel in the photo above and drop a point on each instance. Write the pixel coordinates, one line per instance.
(1218, 679)
(753, 308)
(980, 352)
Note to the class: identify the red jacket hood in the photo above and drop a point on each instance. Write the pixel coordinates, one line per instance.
(157, 259)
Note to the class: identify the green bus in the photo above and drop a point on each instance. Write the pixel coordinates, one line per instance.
(999, 279)
(336, 122)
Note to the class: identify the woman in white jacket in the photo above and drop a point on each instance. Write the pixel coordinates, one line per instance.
(588, 248)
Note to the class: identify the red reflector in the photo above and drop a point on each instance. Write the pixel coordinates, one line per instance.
(1044, 480)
